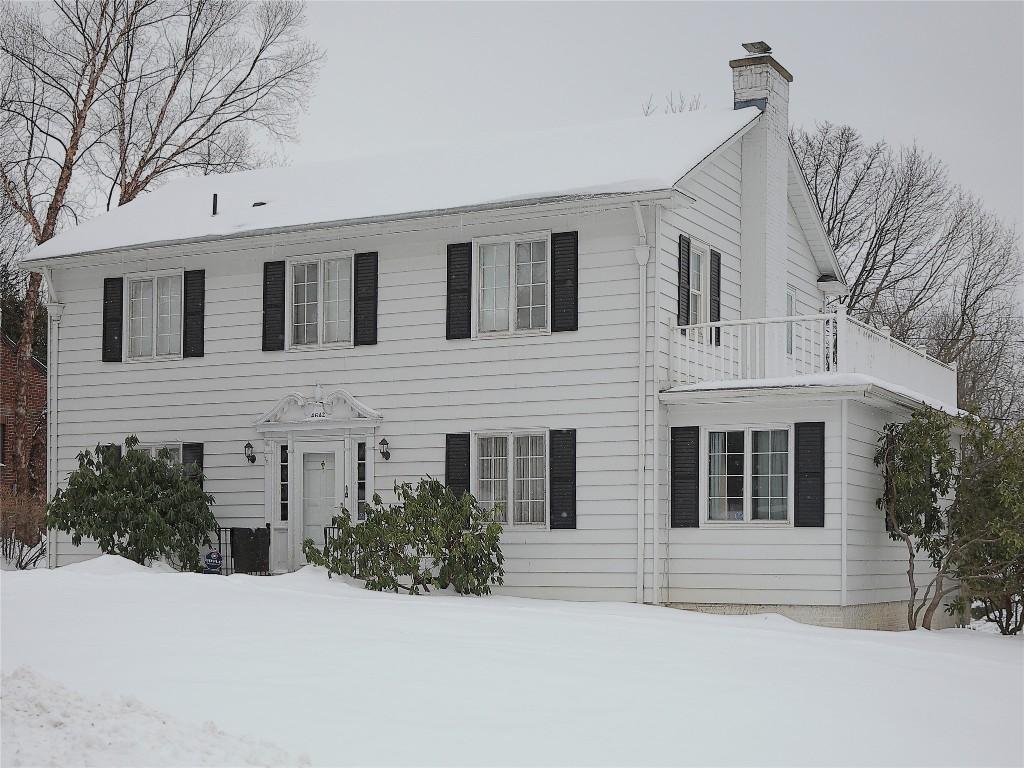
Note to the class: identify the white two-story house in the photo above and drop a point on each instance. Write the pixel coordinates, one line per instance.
(624, 337)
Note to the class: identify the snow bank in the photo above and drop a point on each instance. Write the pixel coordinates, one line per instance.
(620, 157)
(45, 724)
(352, 677)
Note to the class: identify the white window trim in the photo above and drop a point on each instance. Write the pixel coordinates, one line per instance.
(510, 435)
(154, 447)
(126, 315)
(702, 250)
(704, 482)
(292, 261)
(544, 235)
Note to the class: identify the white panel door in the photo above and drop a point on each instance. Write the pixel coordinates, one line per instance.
(321, 493)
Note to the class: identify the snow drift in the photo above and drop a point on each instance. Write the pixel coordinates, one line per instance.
(349, 677)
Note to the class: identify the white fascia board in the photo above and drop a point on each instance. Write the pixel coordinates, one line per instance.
(868, 393)
(716, 152)
(469, 214)
(810, 221)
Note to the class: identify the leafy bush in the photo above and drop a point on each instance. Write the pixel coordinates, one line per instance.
(429, 538)
(22, 529)
(136, 506)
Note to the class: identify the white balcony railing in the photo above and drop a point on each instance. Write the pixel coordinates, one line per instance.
(804, 345)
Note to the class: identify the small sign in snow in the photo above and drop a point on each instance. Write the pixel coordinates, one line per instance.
(213, 561)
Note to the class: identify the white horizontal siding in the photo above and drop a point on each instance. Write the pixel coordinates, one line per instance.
(761, 565)
(876, 565)
(425, 386)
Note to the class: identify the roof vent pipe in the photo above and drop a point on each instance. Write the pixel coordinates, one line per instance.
(214, 203)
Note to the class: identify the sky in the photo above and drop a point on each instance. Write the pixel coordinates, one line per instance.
(947, 75)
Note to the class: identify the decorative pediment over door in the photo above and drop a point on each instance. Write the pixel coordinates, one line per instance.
(317, 412)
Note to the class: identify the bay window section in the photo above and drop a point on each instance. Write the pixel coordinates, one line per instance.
(321, 302)
(513, 285)
(511, 473)
(154, 316)
(748, 475)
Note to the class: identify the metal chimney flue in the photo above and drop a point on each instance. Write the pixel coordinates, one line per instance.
(214, 203)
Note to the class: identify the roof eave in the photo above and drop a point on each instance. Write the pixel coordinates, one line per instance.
(671, 196)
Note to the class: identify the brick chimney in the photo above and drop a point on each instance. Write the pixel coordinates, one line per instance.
(758, 80)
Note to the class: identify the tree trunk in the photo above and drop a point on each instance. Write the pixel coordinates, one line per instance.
(22, 362)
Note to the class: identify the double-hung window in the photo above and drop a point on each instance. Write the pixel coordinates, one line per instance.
(154, 315)
(321, 301)
(749, 474)
(510, 476)
(700, 282)
(513, 284)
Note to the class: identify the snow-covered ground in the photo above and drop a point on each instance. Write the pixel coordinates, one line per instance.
(330, 673)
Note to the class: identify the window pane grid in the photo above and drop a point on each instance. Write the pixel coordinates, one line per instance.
(493, 474)
(494, 287)
(531, 285)
(168, 315)
(769, 474)
(529, 491)
(725, 475)
(338, 300)
(305, 292)
(140, 318)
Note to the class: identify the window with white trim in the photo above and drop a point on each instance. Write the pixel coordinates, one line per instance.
(154, 316)
(510, 473)
(700, 282)
(749, 474)
(321, 301)
(153, 449)
(513, 284)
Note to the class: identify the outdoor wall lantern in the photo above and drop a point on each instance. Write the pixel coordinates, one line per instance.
(250, 454)
(384, 452)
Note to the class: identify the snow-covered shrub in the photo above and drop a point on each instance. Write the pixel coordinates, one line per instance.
(22, 529)
(429, 538)
(135, 505)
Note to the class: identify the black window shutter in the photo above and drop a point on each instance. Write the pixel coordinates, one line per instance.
(683, 499)
(565, 268)
(195, 313)
(562, 469)
(273, 305)
(456, 462)
(715, 300)
(113, 318)
(365, 331)
(192, 456)
(460, 281)
(110, 452)
(809, 510)
(683, 316)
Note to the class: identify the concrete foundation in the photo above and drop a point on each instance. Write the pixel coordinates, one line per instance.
(883, 616)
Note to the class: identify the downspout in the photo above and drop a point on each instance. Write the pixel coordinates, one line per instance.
(642, 252)
(54, 310)
(844, 429)
(655, 453)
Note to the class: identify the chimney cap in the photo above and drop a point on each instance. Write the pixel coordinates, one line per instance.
(760, 47)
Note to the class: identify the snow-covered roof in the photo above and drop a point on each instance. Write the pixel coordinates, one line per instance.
(623, 157)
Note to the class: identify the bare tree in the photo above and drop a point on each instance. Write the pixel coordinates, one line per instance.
(921, 256)
(130, 91)
(189, 95)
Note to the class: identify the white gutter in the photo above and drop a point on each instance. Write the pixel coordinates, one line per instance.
(642, 252)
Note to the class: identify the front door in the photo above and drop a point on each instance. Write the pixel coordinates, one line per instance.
(321, 491)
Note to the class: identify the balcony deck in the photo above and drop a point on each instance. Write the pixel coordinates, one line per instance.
(781, 348)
